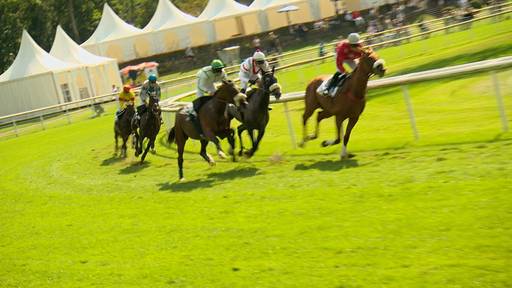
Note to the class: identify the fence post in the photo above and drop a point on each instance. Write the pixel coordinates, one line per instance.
(499, 101)
(412, 119)
(15, 127)
(290, 126)
(67, 115)
(41, 118)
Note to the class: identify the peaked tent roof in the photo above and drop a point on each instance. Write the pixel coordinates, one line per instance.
(66, 49)
(167, 15)
(111, 27)
(261, 4)
(223, 8)
(32, 60)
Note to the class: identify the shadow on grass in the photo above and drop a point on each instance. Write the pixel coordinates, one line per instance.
(329, 165)
(234, 173)
(134, 168)
(112, 160)
(186, 186)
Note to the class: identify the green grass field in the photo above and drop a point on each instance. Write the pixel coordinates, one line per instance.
(402, 213)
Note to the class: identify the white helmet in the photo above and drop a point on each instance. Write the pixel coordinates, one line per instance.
(354, 38)
(258, 56)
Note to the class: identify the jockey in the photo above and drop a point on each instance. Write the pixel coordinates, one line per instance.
(347, 52)
(150, 86)
(250, 70)
(125, 97)
(208, 76)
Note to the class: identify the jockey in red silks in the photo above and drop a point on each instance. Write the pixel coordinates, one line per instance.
(347, 52)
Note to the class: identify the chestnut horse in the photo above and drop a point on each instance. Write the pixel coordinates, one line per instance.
(215, 122)
(349, 101)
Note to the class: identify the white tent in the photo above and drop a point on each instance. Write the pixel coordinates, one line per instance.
(271, 19)
(102, 72)
(322, 9)
(117, 39)
(36, 79)
(173, 29)
(229, 18)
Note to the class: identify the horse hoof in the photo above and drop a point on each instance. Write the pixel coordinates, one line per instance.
(222, 155)
(212, 163)
(153, 151)
(325, 143)
(302, 144)
(182, 180)
(312, 137)
(248, 154)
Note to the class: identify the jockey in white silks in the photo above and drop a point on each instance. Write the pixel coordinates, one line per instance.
(252, 69)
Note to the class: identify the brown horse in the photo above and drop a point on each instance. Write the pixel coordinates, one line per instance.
(148, 127)
(214, 123)
(349, 101)
(123, 127)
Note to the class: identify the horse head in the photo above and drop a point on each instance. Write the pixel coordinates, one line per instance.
(227, 92)
(371, 62)
(154, 105)
(270, 84)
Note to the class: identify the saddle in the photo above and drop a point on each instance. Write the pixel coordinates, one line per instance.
(322, 89)
(199, 102)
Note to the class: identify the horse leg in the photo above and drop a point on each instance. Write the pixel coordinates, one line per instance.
(339, 122)
(251, 136)
(321, 115)
(257, 142)
(239, 130)
(308, 111)
(123, 148)
(148, 146)
(181, 148)
(136, 141)
(351, 123)
(206, 156)
(116, 148)
(231, 140)
(210, 136)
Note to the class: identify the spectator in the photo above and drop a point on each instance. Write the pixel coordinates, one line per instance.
(190, 55)
(114, 88)
(275, 43)
(256, 44)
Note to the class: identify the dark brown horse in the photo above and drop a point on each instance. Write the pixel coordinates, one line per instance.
(148, 127)
(349, 101)
(214, 123)
(255, 114)
(123, 127)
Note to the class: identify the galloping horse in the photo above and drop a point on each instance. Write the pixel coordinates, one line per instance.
(214, 123)
(123, 128)
(349, 101)
(149, 127)
(255, 113)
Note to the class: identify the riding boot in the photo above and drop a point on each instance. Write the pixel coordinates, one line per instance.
(197, 125)
(332, 83)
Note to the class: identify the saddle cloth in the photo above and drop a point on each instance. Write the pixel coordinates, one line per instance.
(323, 87)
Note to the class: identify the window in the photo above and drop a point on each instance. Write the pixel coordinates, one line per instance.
(65, 92)
(84, 93)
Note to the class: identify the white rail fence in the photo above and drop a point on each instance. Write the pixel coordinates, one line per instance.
(43, 115)
(476, 67)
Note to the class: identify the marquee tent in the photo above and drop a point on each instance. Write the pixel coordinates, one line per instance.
(323, 9)
(102, 72)
(229, 18)
(173, 29)
(270, 19)
(115, 38)
(36, 79)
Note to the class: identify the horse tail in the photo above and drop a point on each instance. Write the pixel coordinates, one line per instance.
(172, 135)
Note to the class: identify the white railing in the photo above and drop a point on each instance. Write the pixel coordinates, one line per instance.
(67, 108)
(453, 71)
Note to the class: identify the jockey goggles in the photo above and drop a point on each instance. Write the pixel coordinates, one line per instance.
(260, 62)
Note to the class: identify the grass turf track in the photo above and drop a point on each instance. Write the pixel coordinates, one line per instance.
(432, 213)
